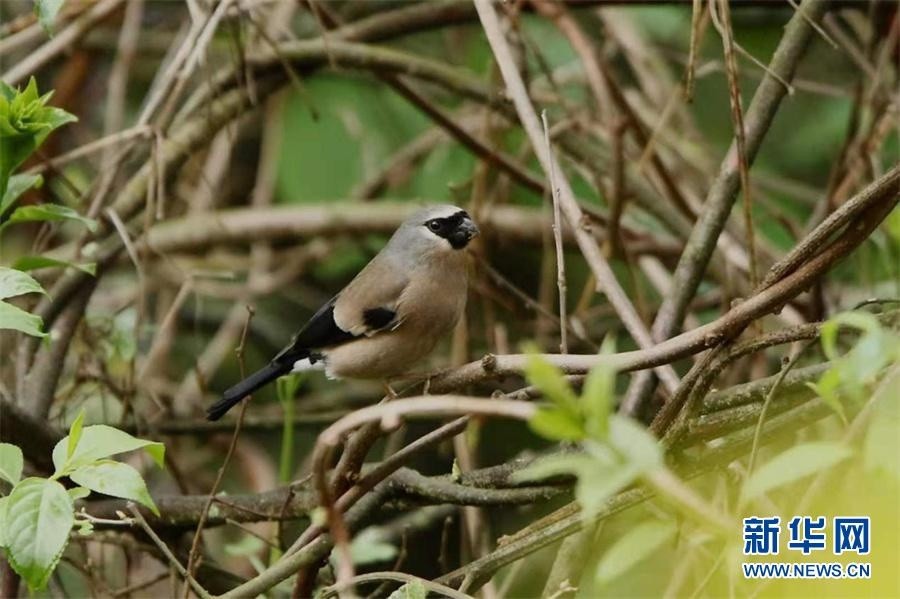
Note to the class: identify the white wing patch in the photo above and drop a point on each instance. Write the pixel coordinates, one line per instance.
(305, 365)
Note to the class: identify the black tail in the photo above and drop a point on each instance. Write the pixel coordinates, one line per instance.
(232, 396)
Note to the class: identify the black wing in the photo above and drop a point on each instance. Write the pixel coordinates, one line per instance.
(378, 318)
(320, 331)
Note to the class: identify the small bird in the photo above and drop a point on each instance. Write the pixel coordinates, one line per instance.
(390, 316)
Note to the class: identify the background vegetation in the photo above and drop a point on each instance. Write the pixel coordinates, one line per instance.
(721, 179)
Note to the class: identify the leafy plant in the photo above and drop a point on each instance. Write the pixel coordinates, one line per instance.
(793, 464)
(39, 513)
(372, 546)
(635, 545)
(884, 422)
(46, 11)
(47, 213)
(25, 122)
(14, 283)
(852, 374)
(569, 418)
(870, 370)
(616, 449)
(16, 186)
(411, 590)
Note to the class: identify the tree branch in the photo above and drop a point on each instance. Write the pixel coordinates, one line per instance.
(722, 194)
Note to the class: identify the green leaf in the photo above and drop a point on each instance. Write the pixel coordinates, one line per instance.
(75, 433)
(598, 394)
(370, 547)
(56, 117)
(636, 545)
(39, 516)
(47, 213)
(30, 95)
(880, 444)
(863, 363)
(827, 390)
(597, 485)
(25, 122)
(4, 501)
(860, 320)
(16, 186)
(245, 547)
(599, 472)
(892, 225)
(554, 465)
(101, 441)
(84, 527)
(635, 443)
(116, 479)
(77, 493)
(11, 462)
(793, 464)
(17, 319)
(556, 424)
(15, 282)
(46, 11)
(35, 262)
(7, 92)
(549, 379)
(411, 590)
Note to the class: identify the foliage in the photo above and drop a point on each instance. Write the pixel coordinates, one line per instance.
(411, 590)
(617, 450)
(14, 283)
(38, 514)
(852, 374)
(46, 11)
(792, 465)
(570, 418)
(868, 372)
(371, 547)
(634, 546)
(25, 122)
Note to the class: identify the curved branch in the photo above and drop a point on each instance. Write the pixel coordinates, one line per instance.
(722, 194)
(886, 193)
(513, 224)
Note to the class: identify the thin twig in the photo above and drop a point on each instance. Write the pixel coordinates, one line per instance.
(195, 543)
(430, 587)
(173, 561)
(737, 116)
(721, 196)
(757, 433)
(557, 238)
(765, 301)
(60, 42)
(87, 149)
(606, 278)
(696, 32)
(389, 414)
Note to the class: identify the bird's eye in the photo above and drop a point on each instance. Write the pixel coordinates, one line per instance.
(434, 225)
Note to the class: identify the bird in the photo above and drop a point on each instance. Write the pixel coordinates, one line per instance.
(391, 314)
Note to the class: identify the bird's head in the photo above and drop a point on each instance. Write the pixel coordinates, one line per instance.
(439, 228)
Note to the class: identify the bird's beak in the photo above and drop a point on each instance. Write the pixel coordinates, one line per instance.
(463, 234)
(470, 229)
